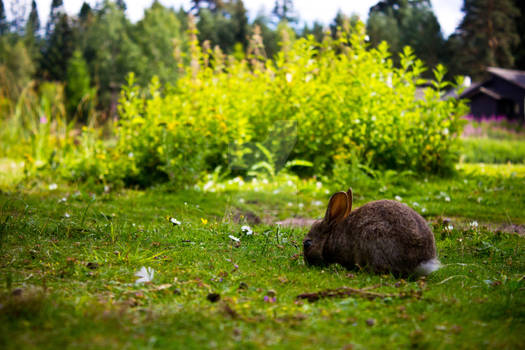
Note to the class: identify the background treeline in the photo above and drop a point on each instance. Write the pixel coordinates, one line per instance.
(88, 55)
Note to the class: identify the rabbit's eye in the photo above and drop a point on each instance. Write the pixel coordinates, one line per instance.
(307, 244)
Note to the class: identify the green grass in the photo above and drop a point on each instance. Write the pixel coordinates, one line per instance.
(477, 300)
(492, 150)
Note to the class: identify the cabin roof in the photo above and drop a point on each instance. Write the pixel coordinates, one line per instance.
(516, 77)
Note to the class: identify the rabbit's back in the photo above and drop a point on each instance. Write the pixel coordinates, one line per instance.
(389, 236)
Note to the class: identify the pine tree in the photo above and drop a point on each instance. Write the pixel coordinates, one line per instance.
(33, 22)
(58, 48)
(519, 49)
(32, 36)
(4, 25)
(488, 34)
(121, 4)
(78, 88)
(57, 9)
(283, 10)
(240, 22)
(85, 11)
(407, 22)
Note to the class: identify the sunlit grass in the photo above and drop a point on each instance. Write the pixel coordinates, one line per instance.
(69, 256)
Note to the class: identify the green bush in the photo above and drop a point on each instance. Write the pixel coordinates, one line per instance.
(343, 99)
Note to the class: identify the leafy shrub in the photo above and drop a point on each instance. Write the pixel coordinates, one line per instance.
(344, 99)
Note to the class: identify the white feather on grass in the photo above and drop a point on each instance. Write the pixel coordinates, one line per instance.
(145, 274)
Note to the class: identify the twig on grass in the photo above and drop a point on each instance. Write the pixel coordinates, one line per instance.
(347, 291)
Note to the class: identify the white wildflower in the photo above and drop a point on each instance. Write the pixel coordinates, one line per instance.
(62, 200)
(450, 227)
(317, 203)
(398, 198)
(276, 191)
(145, 275)
(53, 187)
(474, 224)
(130, 155)
(447, 199)
(290, 204)
(175, 221)
(445, 131)
(301, 205)
(289, 77)
(247, 230)
(318, 184)
(66, 215)
(367, 38)
(424, 210)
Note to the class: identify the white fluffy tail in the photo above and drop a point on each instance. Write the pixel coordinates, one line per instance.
(427, 267)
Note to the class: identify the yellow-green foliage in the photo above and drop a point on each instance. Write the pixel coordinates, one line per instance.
(346, 99)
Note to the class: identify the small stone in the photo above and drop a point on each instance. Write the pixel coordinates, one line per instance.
(92, 265)
(214, 297)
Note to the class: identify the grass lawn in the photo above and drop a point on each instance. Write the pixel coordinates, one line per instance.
(68, 259)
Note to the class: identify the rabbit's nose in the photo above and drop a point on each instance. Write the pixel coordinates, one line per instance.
(307, 244)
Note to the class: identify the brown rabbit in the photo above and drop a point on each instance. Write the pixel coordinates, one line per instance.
(384, 235)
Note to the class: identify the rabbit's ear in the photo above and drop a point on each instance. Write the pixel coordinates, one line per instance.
(337, 208)
(350, 197)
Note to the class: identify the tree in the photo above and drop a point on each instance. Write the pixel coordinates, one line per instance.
(121, 4)
(226, 27)
(16, 67)
(217, 29)
(32, 36)
(270, 37)
(212, 5)
(283, 10)
(407, 22)
(85, 12)
(519, 49)
(78, 87)
(33, 22)
(4, 25)
(341, 21)
(110, 53)
(240, 21)
(157, 35)
(58, 48)
(56, 11)
(317, 31)
(487, 34)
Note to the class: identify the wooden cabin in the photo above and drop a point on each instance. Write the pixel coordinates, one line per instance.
(502, 94)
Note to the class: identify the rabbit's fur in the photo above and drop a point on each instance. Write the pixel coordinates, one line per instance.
(384, 236)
